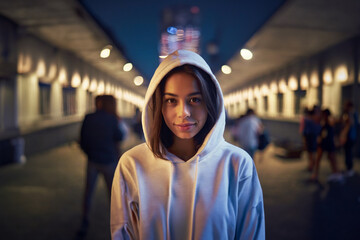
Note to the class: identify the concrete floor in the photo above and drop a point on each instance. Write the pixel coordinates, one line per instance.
(41, 199)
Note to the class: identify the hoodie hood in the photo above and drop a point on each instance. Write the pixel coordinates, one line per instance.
(173, 60)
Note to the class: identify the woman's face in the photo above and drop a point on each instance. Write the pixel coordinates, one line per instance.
(183, 107)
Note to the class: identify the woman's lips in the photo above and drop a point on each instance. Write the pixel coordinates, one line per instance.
(185, 126)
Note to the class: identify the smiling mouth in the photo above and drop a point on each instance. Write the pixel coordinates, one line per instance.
(185, 126)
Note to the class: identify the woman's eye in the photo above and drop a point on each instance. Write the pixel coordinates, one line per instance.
(170, 100)
(195, 100)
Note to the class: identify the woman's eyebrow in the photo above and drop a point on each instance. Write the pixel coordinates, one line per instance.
(194, 93)
(191, 94)
(171, 94)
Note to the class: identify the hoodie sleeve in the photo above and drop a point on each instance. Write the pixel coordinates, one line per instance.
(250, 223)
(124, 214)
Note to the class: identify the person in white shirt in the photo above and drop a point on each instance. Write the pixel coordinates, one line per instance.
(185, 181)
(247, 132)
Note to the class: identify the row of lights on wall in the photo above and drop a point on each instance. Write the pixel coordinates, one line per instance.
(98, 86)
(340, 75)
(102, 87)
(246, 54)
(48, 72)
(105, 53)
(259, 91)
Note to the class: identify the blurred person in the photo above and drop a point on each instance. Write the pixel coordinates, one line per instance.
(312, 128)
(137, 126)
(186, 181)
(305, 116)
(248, 129)
(348, 135)
(100, 139)
(326, 143)
(110, 106)
(233, 127)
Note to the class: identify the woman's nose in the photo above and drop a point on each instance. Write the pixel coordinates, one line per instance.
(184, 110)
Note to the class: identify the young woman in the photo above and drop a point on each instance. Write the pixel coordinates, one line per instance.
(186, 181)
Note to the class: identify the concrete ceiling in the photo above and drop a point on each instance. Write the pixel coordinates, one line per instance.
(300, 28)
(66, 25)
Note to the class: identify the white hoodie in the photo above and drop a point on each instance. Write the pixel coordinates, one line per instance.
(214, 195)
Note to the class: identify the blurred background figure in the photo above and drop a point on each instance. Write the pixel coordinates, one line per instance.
(100, 139)
(247, 130)
(348, 135)
(110, 106)
(303, 118)
(311, 132)
(326, 142)
(137, 125)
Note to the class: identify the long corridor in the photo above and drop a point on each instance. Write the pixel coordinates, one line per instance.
(41, 199)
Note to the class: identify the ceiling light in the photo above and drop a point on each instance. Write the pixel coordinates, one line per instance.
(119, 93)
(314, 79)
(274, 87)
(264, 90)
(138, 80)
(41, 68)
(327, 77)
(245, 94)
(246, 54)
(250, 93)
(85, 83)
(101, 87)
(293, 84)
(304, 82)
(76, 80)
(62, 76)
(341, 74)
(226, 69)
(52, 71)
(105, 52)
(257, 91)
(127, 67)
(282, 86)
(108, 88)
(93, 85)
(24, 63)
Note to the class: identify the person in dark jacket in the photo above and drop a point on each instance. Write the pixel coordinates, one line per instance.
(100, 139)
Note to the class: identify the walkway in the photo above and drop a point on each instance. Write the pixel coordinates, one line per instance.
(42, 199)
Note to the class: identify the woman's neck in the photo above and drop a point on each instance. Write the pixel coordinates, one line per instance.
(183, 148)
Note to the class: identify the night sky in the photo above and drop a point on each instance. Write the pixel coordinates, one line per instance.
(135, 25)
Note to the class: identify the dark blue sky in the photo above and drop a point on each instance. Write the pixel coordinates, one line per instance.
(135, 25)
